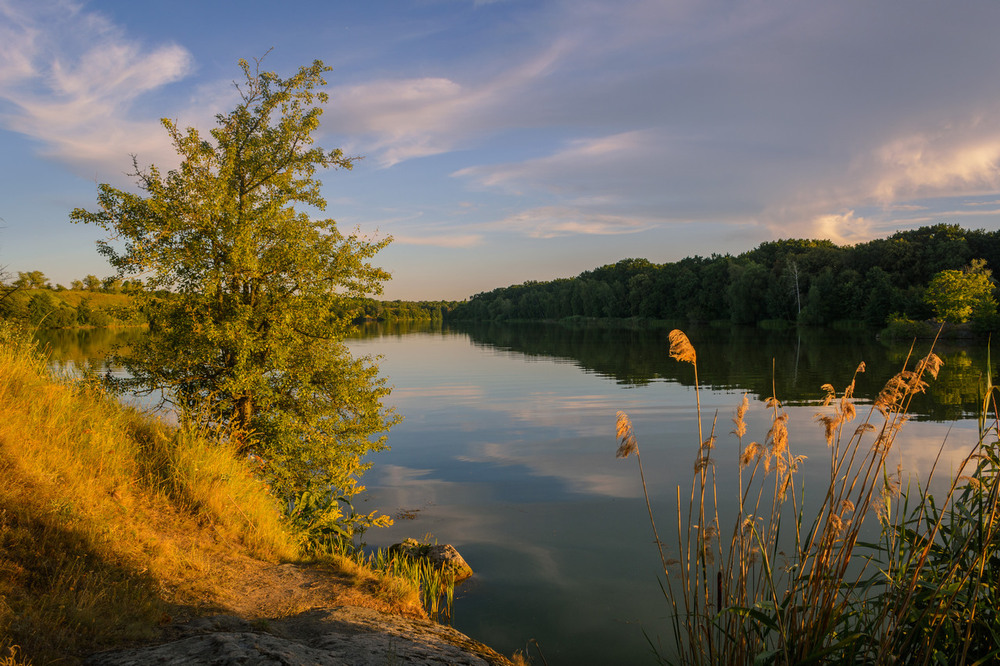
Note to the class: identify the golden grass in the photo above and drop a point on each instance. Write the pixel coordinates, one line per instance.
(109, 519)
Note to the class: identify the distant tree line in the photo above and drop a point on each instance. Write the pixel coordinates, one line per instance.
(93, 301)
(375, 310)
(811, 282)
(32, 298)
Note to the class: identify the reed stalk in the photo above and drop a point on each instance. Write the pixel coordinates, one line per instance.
(818, 592)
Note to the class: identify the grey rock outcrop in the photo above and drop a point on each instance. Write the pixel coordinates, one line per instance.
(326, 637)
(443, 555)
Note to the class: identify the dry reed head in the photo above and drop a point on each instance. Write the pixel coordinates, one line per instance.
(752, 452)
(830, 394)
(907, 383)
(741, 425)
(626, 438)
(931, 364)
(892, 393)
(830, 424)
(777, 436)
(681, 348)
(836, 525)
(847, 410)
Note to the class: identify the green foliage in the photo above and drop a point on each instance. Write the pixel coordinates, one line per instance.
(31, 280)
(901, 328)
(958, 296)
(248, 299)
(812, 282)
(434, 583)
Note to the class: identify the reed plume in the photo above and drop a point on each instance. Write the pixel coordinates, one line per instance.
(815, 600)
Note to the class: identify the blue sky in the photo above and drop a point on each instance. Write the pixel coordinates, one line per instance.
(515, 140)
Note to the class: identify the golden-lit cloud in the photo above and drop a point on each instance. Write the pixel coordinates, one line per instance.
(949, 162)
(555, 221)
(456, 240)
(842, 229)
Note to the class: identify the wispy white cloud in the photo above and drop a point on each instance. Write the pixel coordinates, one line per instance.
(457, 240)
(406, 118)
(584, 166)
(70, 78)
(556, 221)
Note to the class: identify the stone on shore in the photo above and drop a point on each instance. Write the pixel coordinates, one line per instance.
(326, 637)
(443, 555)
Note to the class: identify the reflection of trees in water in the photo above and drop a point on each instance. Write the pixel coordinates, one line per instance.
(796, 363)
(737, 359)
(80, 346)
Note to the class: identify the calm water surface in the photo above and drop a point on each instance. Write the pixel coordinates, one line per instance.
(507, 451)
(508, 445)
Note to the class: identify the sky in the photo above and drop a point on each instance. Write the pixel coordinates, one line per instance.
(513, 140)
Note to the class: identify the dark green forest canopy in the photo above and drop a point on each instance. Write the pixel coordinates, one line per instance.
(812, 282)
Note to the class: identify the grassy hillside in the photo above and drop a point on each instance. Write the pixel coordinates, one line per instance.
(113, 523)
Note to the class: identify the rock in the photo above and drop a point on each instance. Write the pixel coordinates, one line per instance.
(327, 637)
(443, 555)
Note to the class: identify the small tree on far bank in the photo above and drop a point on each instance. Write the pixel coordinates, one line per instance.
(960, 296)
(248, 336)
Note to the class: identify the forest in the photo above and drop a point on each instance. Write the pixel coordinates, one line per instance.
(810, 282)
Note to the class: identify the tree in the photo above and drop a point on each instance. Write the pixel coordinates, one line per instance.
(91, 282)
(111, 285)
(31, 280)
(249, 336)
(958, 296)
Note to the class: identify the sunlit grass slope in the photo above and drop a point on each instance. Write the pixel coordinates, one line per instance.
(108, 518)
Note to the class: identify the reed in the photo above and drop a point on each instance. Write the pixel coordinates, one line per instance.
(782, 587)
(433, 584)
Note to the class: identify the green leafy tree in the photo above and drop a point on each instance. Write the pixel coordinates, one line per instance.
(92, 282)
(31, 280)
(957, 296)
(40, 308)
(248, 336)
(111, 285)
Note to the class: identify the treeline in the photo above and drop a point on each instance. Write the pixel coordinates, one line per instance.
(812, 282)
(95, 302)
(374, 310)
(45, 308)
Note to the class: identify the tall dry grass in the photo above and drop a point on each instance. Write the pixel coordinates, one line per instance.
(781, 587)
(107, 514)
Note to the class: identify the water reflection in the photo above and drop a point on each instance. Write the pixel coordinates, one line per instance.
(75, 348)
(789, 364)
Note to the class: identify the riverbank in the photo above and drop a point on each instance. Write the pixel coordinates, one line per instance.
(119, 531)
